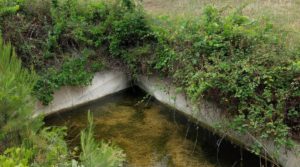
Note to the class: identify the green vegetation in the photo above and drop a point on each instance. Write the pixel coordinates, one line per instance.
(98, 154)
(24, 141)
(9, 6)
(15, 157)
(241, 63)
(16, 106)
(73, 72)
(283, 13)
(246, 65)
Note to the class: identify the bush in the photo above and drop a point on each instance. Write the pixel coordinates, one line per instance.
(240, 64)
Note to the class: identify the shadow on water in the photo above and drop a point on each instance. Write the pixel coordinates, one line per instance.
(152, 134)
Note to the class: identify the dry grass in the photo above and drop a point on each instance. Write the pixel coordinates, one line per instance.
(285, 14)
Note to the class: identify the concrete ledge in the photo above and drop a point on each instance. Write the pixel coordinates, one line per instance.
(103, 84)
(209, 116)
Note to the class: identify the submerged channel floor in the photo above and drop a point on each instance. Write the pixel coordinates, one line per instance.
(151, 134)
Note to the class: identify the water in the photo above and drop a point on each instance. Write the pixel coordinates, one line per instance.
(151, 134)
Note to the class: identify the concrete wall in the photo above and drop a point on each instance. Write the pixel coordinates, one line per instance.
(210, 117)
(207, 113)
(103, 84)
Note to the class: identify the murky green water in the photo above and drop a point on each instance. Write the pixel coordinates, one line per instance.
(151, 134)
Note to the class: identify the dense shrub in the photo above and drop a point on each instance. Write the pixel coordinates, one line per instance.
(114, 29)
(118, 27)
(242, 65)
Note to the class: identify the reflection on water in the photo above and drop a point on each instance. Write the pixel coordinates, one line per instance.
(151, 134)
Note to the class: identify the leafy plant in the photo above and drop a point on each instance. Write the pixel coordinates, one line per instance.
(16, 156)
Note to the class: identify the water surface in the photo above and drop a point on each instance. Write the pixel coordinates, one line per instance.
(151, 134)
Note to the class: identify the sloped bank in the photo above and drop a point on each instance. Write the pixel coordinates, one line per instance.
(110, 82)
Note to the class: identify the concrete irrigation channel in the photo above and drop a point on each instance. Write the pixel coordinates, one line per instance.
(207, 114)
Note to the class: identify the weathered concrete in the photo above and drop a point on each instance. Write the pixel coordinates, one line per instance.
(209, 116)
(103, 84)
(207, 113)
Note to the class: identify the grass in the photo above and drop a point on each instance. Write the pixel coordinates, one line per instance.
(283, 13)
